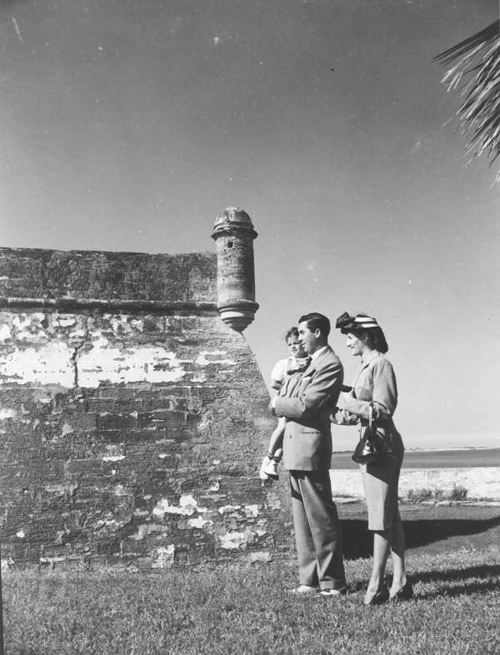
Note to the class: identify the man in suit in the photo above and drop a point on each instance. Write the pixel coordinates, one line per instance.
(307, 451)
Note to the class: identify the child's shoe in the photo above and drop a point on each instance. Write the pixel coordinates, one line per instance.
(270, 467)
(262, 473)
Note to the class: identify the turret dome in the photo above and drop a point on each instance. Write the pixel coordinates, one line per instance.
(233, 217)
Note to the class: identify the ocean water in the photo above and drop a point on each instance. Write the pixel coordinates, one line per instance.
(429, 459)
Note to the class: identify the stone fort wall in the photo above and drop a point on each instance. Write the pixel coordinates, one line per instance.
(132, 418)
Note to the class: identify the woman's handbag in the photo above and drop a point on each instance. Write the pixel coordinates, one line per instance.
(368, 448)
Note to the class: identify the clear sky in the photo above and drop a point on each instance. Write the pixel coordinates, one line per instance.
(130, 124)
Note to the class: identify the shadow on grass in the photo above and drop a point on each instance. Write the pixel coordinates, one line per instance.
(489, 581)
(484, 571)
(358, 542)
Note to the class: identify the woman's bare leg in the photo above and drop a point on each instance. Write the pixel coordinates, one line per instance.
(398, 558)
(381, 548)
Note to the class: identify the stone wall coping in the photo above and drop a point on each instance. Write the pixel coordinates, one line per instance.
(100, 279)
(77, 304)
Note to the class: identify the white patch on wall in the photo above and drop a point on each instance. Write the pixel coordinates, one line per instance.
(50, 364)
(235, 540)
(105, 363)
(6, 564)
(260, 556)
(250, 511)
(52, 560)
(114, 453)
(213, 357)
(66, 429)
(163, 557)
(137, 324)
(120, 324)
(145, 529)
(113, 458)
(274, 501)
(187, 507)
(60, 320)
(120, 490)
(5, 333)
(62, 489)
(29, 327)
(164, 507)
(199, 522)
(6, 414)
(229, 508)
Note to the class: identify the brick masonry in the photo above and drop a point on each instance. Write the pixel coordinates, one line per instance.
(132, 419)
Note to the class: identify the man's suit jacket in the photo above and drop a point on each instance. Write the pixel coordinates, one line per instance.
(307, 444)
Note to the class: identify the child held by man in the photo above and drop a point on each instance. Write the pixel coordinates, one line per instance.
(287, 371)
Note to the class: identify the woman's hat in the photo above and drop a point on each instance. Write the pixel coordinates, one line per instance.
(346, 322)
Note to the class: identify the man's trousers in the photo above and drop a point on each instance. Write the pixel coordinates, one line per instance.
(318, 537)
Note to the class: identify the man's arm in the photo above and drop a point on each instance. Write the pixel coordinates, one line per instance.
(319, 396)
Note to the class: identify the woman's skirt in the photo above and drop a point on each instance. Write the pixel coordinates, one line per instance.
(380, 483)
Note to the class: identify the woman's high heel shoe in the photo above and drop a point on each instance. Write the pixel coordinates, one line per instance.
(405, 593)
(379, 597)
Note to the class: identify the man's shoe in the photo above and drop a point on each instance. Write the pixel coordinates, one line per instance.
(333, 593)
(303, 590)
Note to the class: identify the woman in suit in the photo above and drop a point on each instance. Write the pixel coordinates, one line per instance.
(374, 390)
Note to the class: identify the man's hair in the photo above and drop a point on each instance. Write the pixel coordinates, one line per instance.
(315, 321)
(291, 332)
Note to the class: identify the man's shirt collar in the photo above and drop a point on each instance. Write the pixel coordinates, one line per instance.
(315, 354)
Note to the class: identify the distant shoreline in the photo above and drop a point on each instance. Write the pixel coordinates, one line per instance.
(434, 458)
(429, 450)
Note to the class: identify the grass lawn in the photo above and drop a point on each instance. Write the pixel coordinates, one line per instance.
(453, 561)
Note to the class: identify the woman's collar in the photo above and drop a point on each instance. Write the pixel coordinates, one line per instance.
(367, 357)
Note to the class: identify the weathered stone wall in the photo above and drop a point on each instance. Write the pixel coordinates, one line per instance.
(132, 419)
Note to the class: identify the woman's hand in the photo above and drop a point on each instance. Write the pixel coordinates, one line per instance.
(343, 417)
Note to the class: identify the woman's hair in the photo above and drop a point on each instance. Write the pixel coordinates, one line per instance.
(365, 328)
(373, 337)
(291, 332)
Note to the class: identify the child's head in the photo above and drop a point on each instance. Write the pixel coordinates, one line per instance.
(293, 343)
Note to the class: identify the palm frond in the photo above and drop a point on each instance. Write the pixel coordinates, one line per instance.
(474, 73)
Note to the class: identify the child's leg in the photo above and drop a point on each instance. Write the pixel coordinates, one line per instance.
(275, 448)
(270, 463)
